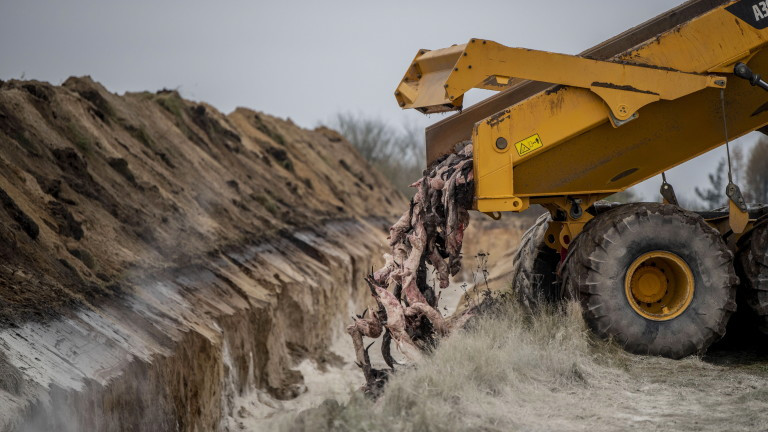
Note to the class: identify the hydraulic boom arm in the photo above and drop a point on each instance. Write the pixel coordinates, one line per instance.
(437, 80)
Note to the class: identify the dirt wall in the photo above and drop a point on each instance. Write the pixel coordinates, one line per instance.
(159, 257)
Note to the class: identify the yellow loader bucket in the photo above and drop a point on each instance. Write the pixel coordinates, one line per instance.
(422, 86)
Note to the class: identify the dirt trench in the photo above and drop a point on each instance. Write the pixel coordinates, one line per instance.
(159, 257)
(172, 355)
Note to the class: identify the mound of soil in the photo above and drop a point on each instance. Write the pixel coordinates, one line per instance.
(150, 240)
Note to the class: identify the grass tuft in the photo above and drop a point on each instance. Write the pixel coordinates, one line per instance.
(486, 377)
(171, 102)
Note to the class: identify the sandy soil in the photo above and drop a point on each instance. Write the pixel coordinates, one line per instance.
(487, 251)
(144, 236)
(547, 373)
(553, 375)
(164, 266)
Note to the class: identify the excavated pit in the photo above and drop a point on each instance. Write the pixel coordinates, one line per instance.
(159, 258)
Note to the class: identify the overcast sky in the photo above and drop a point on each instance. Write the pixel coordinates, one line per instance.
(300, 59)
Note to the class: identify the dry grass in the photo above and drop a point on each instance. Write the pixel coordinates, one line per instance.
(514, 370)
(483, 378)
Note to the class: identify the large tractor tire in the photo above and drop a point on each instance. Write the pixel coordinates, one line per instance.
(653, 277)
(753, 270)
(535, 266)
(534, 272)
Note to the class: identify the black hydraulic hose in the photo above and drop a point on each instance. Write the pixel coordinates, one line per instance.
(743, 71)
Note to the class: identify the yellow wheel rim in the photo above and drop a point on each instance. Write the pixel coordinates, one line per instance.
(659, 285)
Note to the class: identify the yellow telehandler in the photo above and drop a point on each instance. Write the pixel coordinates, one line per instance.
(567, 131)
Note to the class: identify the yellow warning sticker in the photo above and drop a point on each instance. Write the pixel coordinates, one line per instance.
(528, 145)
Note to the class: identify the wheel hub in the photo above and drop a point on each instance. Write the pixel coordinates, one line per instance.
(649, 284)
(659, 285)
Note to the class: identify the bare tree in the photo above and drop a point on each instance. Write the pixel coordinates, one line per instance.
(738, 161)
(398, 153)
(757, 172)
(714, 196)
(374, 139)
